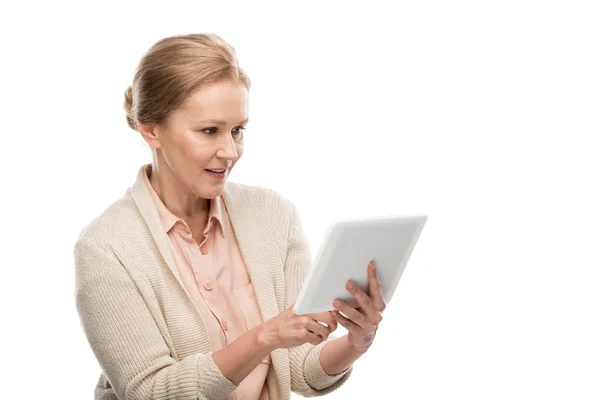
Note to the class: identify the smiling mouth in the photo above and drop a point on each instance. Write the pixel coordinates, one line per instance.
(217, 171)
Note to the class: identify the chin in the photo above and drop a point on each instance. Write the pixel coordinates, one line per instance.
(210, 193)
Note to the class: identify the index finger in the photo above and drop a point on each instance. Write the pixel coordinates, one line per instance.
(325, 317)
(375, 288)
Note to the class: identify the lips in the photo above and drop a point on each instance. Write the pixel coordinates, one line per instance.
(218, 174)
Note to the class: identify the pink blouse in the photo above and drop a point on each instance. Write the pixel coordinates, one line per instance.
(215, 277)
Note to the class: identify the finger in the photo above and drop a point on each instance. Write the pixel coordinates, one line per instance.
(375, 288)
(330, 321)
(326, 318)
(319, 330)
(334, 325)
(315, 327)
(346, 323)
(366, 304)
(290, 308)
(307, 336)
(313, 338)
(352, 314)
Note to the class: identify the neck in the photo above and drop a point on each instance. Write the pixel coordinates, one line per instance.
(178, 199)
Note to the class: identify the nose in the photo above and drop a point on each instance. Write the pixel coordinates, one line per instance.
(227, 148)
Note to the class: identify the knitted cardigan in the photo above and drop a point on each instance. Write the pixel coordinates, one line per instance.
(144, 329)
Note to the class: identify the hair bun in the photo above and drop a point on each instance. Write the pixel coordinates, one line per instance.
(128, 106)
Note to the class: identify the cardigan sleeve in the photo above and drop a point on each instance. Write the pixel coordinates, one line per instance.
(126, 340)
(308, 377)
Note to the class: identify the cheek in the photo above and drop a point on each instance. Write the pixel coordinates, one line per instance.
(199, 151)
(239, 148)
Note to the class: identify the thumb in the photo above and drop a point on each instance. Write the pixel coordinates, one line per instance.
(291, 308)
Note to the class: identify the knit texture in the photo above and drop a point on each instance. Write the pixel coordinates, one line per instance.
(144, 329)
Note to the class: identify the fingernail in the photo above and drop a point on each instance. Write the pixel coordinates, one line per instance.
(350, 285)
(337, 303)
(372, 266)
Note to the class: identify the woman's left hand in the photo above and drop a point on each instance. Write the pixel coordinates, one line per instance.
(362, 322)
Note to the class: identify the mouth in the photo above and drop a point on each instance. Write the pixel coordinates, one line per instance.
(217, 173)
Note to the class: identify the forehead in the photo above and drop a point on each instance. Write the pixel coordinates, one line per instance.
(226, 101)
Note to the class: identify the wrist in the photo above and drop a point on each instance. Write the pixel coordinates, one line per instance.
(359, 348)
(264, 338)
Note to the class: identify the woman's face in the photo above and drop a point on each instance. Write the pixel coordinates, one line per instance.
(205, 133)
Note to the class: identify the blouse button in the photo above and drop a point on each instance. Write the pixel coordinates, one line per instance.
(208, 285)
(225, 325)
(203, 250)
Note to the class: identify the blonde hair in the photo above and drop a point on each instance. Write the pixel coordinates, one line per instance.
(172, 69)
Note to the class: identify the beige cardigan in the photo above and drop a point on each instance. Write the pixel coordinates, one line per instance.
(144, 329)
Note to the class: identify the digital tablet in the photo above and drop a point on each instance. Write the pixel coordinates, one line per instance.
(347, 249)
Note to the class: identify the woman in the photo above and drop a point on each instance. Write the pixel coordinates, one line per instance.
(185, 286)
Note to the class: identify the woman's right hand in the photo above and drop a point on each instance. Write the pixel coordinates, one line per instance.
(288, 329)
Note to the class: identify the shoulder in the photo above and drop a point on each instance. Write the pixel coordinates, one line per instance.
(269, 200)
(109, 225)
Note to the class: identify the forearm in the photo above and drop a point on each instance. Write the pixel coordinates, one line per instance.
(238, 359)
(338, 355)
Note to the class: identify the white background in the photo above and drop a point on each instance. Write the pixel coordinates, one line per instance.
(483, 115)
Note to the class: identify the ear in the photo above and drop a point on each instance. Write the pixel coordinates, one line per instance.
(151, 134)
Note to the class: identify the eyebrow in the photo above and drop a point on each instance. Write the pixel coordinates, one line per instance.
(219, 122)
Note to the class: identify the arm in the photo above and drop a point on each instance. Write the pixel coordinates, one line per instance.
(129, 345)
(241, 357)
(308, 377)
(338, 355)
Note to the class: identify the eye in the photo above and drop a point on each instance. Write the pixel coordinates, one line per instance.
(209, 129)
(236, 131)
(239, 132)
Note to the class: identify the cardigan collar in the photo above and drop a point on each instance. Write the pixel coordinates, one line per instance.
(244, 222)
